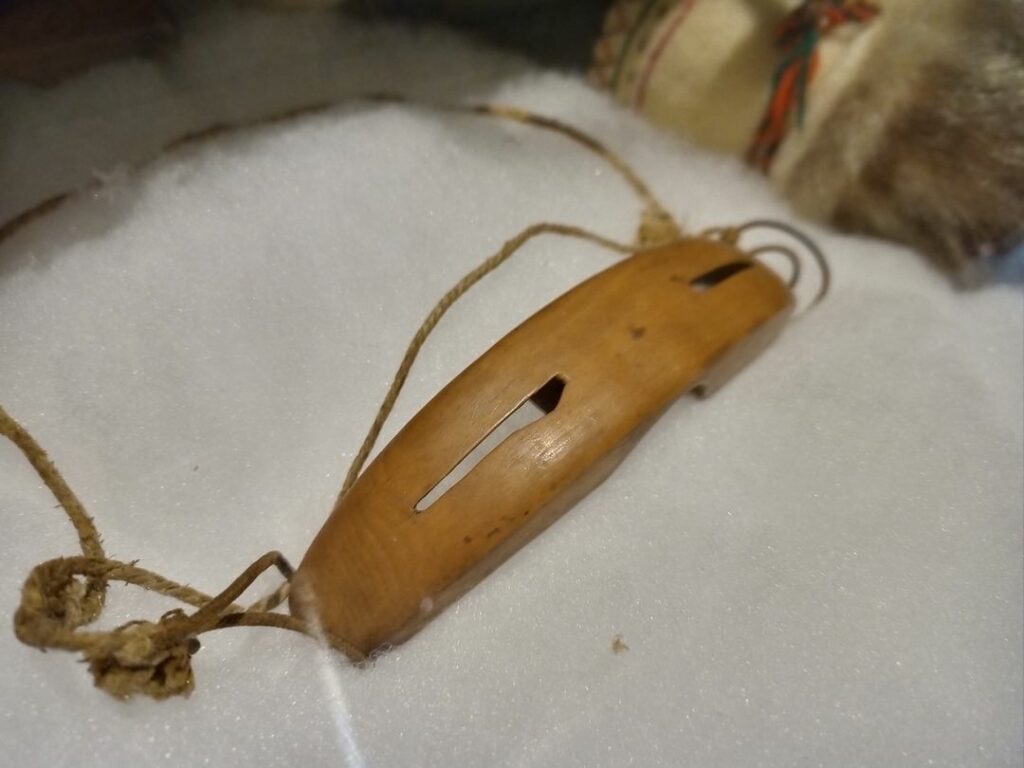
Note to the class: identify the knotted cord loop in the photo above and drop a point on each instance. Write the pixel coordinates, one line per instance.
(151, 658)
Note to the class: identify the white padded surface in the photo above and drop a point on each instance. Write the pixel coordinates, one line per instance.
(821, 565)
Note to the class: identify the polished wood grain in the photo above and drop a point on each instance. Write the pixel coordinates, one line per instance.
(626, 343)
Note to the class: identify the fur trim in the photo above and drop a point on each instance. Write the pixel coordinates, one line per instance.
(926, 144)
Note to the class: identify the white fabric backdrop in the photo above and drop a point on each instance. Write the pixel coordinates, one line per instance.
(821, 565)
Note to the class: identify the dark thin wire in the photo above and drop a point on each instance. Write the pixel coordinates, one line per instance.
(806, 242)
(791, 257)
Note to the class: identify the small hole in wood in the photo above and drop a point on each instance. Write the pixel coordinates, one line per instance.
(713, 277)
(533, 408)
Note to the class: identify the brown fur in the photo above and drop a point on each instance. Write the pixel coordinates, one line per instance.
(926, 146)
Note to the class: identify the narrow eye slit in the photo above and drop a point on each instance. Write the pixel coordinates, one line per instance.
(533, 408)
(713, 277)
